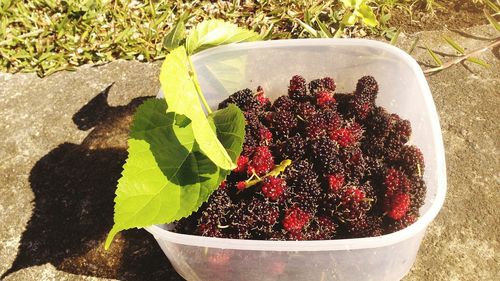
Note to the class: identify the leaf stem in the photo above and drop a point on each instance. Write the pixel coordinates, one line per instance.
(463, 57)
(192, 73)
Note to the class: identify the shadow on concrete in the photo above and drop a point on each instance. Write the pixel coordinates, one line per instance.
(74, 188)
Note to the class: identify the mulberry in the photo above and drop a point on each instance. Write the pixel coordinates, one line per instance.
(411, 160)
(322, 84)
(295, 219)
(273, 187)
(324, 99)
(365, 226)
(283, 123)
(243, 99)
(305, 110)
(405, 221)
(213, 218)
(284, 103)
(262, 161)
(324, 153)
(297, 89)
(321, 228)
(367, 86)
(292, 148)
(397, 205)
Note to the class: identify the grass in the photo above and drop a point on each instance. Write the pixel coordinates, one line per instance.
(45, 36)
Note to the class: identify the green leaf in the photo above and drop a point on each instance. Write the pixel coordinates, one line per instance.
(454, 45)
(175, 36)
(493, 6)
(181, 94)
(166, 177)
(308, 28)
(351, 3)
(366, 13)
(492, 21)
(217, 32)
(230, 126)
(413, 45)
(325, 31)
(434, 56)
(478, 61)
(349, 19)
(394, 39)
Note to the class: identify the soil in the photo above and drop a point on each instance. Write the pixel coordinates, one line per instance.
(454, 14)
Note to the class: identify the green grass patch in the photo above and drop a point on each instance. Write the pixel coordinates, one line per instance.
(45, 36)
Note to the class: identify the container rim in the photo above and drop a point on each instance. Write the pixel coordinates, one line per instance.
(341, 244)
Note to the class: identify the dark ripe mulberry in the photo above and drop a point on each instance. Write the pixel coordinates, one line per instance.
(304, 111)
(283, 124)
(265, 213)
(328, 204)
(244, 99)
(417, 194)
(365, 226)
(392, 225)
(396, 182)
(411, 160)
(322, 123)
(214, 216)
(253, 137)
(320, 228)
(400, 129)
(373, 147)
(304, 186)
(324, 153)
(346, 204)
(298, 88)
(369, 191)
(239, 223)
(305, 191)
(361, 107)
(353, 203)
(392, 149)
(298, 167)
(375, 167)
(323, 84)
(343, 104)
(284, 103)
(354, 163)
(293, 148)
(378, 123)
(316, 127)
(367, 86)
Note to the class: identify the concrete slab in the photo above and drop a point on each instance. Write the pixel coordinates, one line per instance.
(64, 143)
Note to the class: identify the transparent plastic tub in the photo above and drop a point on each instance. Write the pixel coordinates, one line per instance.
(403, 90)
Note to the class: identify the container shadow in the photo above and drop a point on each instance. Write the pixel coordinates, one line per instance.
(74, 188)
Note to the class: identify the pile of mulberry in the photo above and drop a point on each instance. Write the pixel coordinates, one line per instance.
(349, 170)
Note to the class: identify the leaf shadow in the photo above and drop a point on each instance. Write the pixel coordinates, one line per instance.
(74, 185)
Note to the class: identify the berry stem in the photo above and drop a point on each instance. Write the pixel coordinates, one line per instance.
(255, 179)
(192, 73)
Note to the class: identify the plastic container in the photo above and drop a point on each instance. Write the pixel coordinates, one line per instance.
(403, 90)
